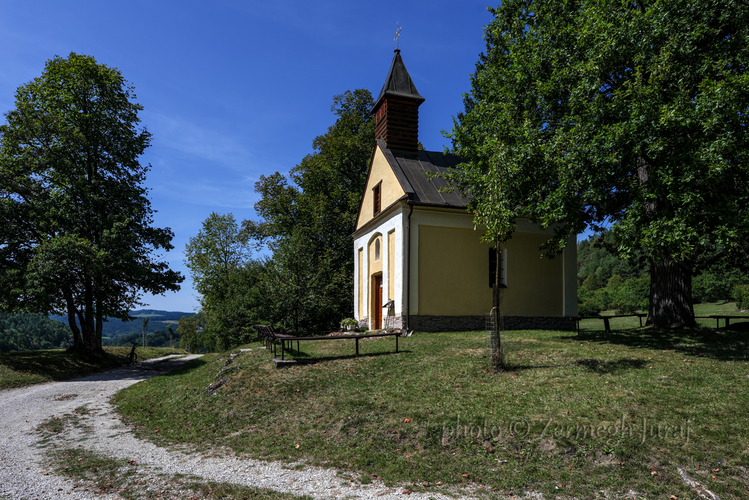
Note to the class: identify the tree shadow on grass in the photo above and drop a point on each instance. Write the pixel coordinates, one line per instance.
(168, 368)
(304, 358)
(611, 367)
(59, 365)
(721, 344)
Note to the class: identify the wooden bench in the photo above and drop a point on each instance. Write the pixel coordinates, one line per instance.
(718, 317)
(269, 337)
(606, 324)
(282, 339)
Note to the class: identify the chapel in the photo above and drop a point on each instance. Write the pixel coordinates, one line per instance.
(419, 263)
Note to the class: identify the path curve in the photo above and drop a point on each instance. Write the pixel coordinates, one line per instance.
(23, 473)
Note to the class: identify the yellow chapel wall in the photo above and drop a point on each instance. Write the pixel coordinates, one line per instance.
(452, 270)
(390, 189)
(535, 284)
(453, 265)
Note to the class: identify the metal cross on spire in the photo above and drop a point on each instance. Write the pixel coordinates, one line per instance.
(397, 35)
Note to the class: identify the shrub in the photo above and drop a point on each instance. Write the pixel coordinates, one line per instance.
(741, 295)
(715, 286)
(591, 282)
(590, 307)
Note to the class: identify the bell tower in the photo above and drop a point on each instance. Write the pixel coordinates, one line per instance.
(397, 109)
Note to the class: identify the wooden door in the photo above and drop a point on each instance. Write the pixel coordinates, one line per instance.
(377, 291)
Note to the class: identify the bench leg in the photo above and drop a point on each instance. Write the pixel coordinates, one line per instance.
(640, 318)
(606, 325)
(282, 348)
(728, 322)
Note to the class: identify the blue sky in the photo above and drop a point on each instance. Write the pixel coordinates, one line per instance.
(234, 90)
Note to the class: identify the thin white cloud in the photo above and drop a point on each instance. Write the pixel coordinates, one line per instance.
(199, 142)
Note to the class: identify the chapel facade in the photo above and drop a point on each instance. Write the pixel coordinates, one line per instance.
(419, 263)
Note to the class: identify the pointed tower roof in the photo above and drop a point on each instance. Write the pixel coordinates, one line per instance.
(398, 82)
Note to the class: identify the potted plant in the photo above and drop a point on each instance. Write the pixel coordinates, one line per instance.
(349, 324)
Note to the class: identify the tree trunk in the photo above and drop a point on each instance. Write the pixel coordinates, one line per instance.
(91, 341)
(497, 352)
(670, 294)
(77, 341)
(99, 324)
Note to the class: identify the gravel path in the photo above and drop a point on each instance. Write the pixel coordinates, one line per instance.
(23, 473)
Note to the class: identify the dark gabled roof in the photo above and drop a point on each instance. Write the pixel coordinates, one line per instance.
(398, 82)
(411, 171)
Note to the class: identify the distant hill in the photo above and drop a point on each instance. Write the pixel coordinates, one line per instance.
(157, 320)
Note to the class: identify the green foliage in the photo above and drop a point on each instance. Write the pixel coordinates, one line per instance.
(158, 338)
(614, 113)
(623, 295)
(717, 284)
(75, 221)
(598, 255)
(630, 296)
(741, 295)
(588, 306)
(217, 251)
(306, 219)
(193, 335)
(32, 332)
(591, 283)
(112, 328)
(231, 284)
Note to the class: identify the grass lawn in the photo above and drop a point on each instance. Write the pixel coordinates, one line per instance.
(33, 367)
(718, 308)
(575, 415)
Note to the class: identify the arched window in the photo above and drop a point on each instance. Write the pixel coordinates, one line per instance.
(377, 249)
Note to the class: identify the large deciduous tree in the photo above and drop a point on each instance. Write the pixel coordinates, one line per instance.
(76, 233)
(621, 113)
(307, 219)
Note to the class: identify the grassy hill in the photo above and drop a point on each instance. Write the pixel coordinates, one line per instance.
(585, 415)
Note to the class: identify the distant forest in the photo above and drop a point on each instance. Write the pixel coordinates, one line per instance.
(608, 283)
(32, 332)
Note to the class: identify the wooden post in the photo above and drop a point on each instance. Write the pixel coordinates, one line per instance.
(145, 328)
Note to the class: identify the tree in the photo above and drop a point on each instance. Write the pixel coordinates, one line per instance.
(76, 233)
(193, 336)
(218, 250)
(312, 213)
(590, 113)
(223, 273)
